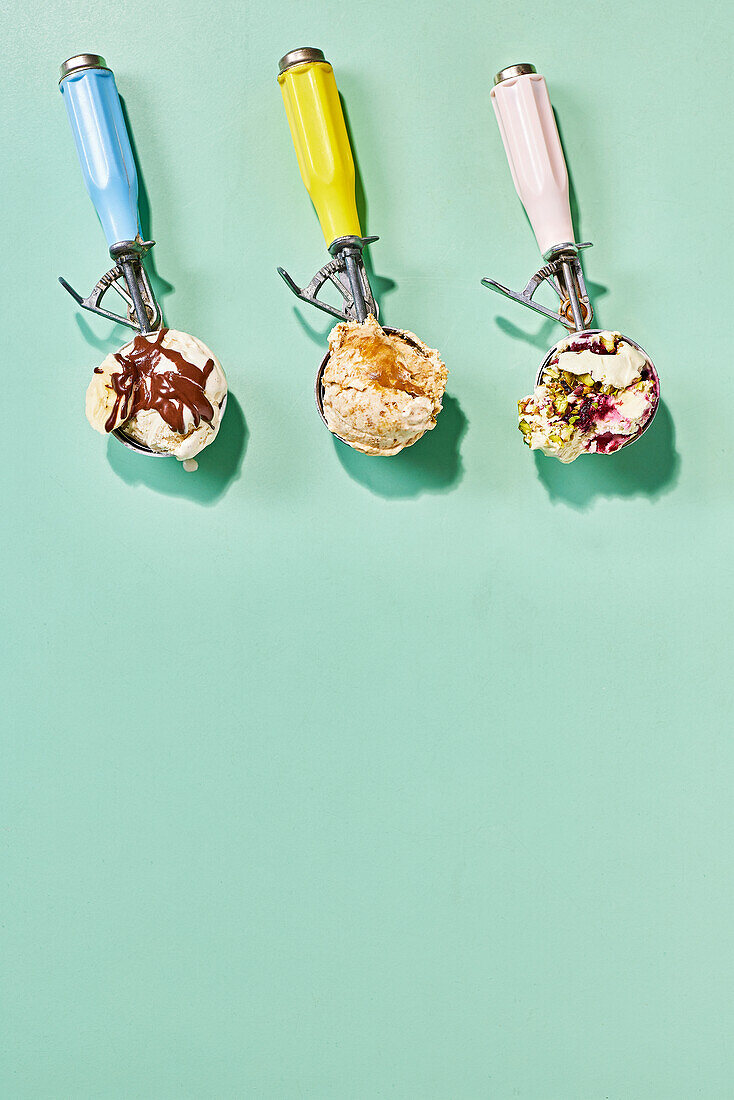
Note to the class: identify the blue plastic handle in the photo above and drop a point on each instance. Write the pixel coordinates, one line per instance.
(103, 145)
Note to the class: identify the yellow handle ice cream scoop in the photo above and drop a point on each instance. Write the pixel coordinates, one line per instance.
(378, 389)
(324, 155)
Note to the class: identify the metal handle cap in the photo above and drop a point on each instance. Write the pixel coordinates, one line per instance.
(300, 56)
(513, 71)
(81, 61)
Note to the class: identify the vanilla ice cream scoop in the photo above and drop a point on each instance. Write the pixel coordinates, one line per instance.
(164, 390)
(381, 389)
(596, 392)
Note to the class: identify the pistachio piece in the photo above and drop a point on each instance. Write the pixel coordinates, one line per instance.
(524, 427)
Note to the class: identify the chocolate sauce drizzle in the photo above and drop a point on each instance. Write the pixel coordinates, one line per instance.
(144, 383)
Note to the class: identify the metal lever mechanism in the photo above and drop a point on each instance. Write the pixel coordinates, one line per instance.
(563, 272)
(130, 280)
(346, 271)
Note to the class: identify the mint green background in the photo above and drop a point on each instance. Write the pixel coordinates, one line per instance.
(333, 777)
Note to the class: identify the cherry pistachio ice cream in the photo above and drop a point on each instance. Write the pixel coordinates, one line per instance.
(597, 392)
(381, 389)
(165, 390)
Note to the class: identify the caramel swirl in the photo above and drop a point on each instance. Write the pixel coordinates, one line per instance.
(385, 365)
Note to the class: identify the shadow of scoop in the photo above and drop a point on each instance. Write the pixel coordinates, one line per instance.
(219, 464)
(432, 465)
(648, 467)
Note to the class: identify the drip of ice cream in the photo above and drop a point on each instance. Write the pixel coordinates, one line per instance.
(164, 390)
(597, 392)
(381, 390)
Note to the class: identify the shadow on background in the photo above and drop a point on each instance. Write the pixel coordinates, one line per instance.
(573, 201)
(103, 344)
(595, 290)
(432, 465)
(161, 288)
(319, 336)
(381, 286)
(219, 464)
(649, 467)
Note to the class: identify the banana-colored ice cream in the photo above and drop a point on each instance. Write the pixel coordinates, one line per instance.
(164, 390)
(381, 390)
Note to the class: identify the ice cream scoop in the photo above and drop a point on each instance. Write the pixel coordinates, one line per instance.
(164, 391)
(376, 417)
(596, 391)
(157, 395)
(380, 390)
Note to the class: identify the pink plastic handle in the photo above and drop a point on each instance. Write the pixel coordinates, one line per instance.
(533, 147)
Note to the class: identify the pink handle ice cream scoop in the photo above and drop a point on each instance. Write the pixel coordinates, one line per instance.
(596, 391)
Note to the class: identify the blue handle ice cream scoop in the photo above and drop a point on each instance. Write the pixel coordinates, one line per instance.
(164, 393)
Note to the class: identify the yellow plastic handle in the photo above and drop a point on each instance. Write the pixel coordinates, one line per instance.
(322, 146)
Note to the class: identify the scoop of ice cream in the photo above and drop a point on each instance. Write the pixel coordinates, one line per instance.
(597, 392)
(381, 390)
(164, 390)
